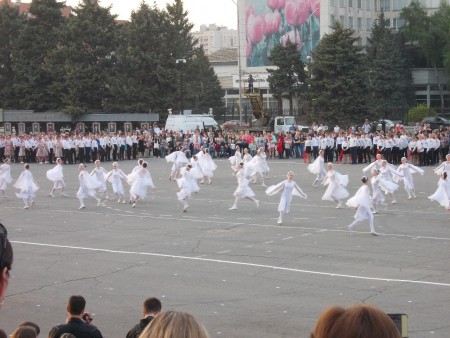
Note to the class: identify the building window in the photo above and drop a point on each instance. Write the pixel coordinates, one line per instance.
(368, 3)
(359, 4)
(385, 5)
(331, 3)
(375, 5)
(342, 3)
(368, 24)
(360, 23)
(331, 20)
(399, 5)
(342, 20)
(350, 22)
(350, 3)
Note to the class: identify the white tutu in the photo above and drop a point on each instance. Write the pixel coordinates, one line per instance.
(336, 190)
(187, 185)
(5, 176)
(115, 177)
(140, 181)
(442, 194)
(363, 202)
(88, 185)
(207, 165)
(25, 183)
(243, 190)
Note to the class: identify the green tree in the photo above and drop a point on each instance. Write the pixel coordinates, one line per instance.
(389, 76)
(10, 24)
(37, 39)
(87, 58)
(417, 113)
(288, 79)
(337, 92)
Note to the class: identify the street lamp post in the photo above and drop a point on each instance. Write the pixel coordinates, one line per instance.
(181, 61)
(239, 61)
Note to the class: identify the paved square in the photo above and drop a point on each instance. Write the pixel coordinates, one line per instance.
(239, 272)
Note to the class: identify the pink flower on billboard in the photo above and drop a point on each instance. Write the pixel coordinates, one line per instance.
(315, 8)
(297, 12)
(292, 36)
(276, 4)
(272, 21)
(255, 28)
(248, 50)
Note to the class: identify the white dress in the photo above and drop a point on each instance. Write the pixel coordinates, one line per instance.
(140, 181)
(442, 194)
(99, 174)
(377, 194)
(243, 190)
(56, 175)
(375, 164)
(336, 190)
(289, 188)
(444, 166)
(318, 168)
(115, 177)
(257, 167)
(187, 185)
(363, 202)
(386, 177)
(25, 183)
(179, 160)
(5, 176)
(407, 170)
(88, 185)
(207, 165)
(235, 160)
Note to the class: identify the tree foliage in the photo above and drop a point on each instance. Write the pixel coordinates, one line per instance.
(417, 113)
(288, 79)
(337, 87)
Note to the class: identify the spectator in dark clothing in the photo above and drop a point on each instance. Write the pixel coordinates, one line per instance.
(151, 308)
(78, 321)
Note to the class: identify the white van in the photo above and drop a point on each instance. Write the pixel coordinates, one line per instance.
(189, 121)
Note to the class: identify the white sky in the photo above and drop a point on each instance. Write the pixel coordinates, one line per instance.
(201, 12)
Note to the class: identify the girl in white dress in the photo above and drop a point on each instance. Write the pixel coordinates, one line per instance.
(88, 186)
(115, 177)
(207, 166)
(444, 166)
(140, 181)
(336, 190)
(187, 185)
(27, 186)
(377, 194)
(243, 190)
(363, 204)
(236, 160)
(387, 175)
(318, 168)
(288, 188)
(407, 169)
(442, 194)
(99, 174)
(5, 176)
(57, 177)
(258, 168)
(179, 160)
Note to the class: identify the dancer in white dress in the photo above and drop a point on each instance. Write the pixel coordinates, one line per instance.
(179, 160)
(375, 164)
(139, 166)
(407, 169)
(377, 194)
(444, 166)
(243, 190)
(442, 194)
(258, 169)
(57, 177)
(5, 176)
(99, 174)
(288, 188)
(388, 174)
(318, 168)
(187, 185)
(207, 166)
(236, 160)
(140, 181)
(88, 186)
(115, 177)
(336, 190)
(363, 204)
(27, 186)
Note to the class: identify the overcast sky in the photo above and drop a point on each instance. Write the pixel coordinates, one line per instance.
(220, 12)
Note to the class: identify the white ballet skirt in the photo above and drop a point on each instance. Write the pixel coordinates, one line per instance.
(257, 167)
(235, 160)
(243, 190)
(196, 170)
(115, 177)
(407, 170)
(289, 189)
(88, 185)
(442, 194)
(140, 181)
(363, 202)
(56, 175)
(187, 185)
(387, 175)
(25, 183)
(444, 166)
(178, 158)
(99, 174)
(5, 176)
(336, 190)
(377, 193)
(317, 167)
(207, 165)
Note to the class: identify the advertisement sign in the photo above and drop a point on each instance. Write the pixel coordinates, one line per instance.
(271, 22)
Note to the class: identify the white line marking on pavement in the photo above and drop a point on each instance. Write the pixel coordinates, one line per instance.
(284, 239)
(272, 267)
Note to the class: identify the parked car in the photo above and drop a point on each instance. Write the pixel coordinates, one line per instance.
(389, 124)
(435, 121)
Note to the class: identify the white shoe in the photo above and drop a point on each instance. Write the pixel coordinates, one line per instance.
(374, 233)
(201, 182)
(133, 205)
(233, 207)
(263, 185)
(394, 202)
(118, 201)
(51, 195)
(82, 206)
(32, 203)
(339, 205)
(64, 194)
(106, 196)
(409, 197)
(375, 212)
(257, 203)
(209, 182)
(185, 209)
(25, 207)
(279, 221)
(123, 202)
(99, 201)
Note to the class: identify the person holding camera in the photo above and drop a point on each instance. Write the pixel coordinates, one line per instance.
(79, 322)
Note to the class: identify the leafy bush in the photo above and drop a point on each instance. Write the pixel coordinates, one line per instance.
(417, 113)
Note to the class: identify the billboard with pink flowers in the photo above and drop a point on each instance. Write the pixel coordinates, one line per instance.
(270, 22)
